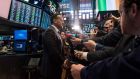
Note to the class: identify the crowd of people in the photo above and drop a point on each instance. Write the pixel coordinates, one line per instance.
(112, 53)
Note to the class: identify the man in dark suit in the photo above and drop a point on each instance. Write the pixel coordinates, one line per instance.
(53, 56)
(126, 65)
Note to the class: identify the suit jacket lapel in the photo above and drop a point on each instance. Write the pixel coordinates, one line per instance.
(58, 36)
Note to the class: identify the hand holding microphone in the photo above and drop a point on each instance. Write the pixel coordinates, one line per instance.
(81, 55)
(90, 44)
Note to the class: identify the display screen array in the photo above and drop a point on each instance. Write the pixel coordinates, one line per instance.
(25, 13)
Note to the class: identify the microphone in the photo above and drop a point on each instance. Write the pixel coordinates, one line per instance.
(69, 35)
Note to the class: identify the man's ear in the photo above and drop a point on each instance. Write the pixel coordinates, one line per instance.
(54, 20)
(133, 10)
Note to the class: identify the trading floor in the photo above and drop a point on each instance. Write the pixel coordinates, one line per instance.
(69, 39)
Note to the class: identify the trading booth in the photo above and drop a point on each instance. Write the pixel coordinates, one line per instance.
(21, 25)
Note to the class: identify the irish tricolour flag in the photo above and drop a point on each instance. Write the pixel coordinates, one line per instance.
(106, 5)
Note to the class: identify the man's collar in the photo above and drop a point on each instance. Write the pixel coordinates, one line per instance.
(57, 30)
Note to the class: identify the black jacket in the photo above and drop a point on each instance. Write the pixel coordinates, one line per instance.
(125, 65)
(53, 56)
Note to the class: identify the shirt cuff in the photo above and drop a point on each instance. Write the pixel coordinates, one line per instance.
(85, 55)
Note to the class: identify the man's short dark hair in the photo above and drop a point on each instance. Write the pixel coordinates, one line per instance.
(127, 4)
(55, 16)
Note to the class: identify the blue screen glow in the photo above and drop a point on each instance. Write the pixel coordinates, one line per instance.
(20, 35)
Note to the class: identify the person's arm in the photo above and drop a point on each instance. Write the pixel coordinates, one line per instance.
(92, 56)
(110, 39)
(98, 46)
(105, 52)
(123, 66)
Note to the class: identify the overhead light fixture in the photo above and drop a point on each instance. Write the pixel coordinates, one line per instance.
(26, 0)
(77, 28)
(36, 2)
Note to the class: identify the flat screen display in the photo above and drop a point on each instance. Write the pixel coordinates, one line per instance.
(20, 35)
(25, 13)
(20, 46)
(5, 7)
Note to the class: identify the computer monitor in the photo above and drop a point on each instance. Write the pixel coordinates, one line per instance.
(24, 11)
(20, 35)
(20, 46)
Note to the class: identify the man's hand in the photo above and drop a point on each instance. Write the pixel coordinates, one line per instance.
(66, 64)
(90, 44)
(76, 70)
(79, 55)
(76, 40)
